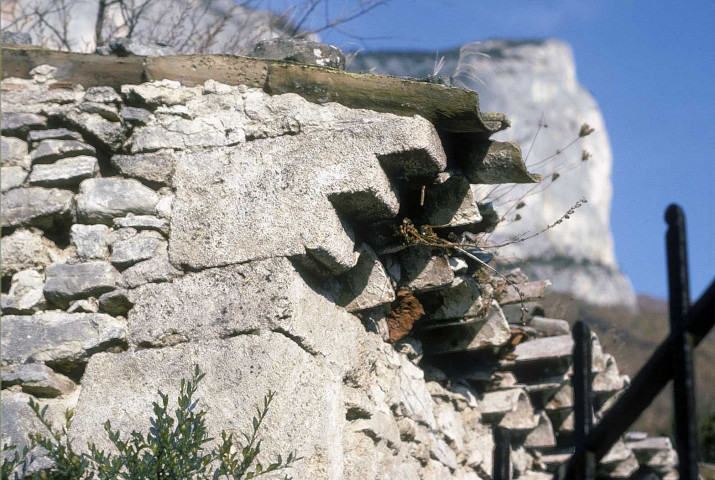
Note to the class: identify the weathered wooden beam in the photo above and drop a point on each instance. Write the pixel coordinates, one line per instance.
(449, 109)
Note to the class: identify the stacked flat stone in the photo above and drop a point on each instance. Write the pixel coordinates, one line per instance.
(159, 226)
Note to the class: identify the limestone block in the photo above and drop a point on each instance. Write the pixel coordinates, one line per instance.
(381, 426)
(366, 285)
(142, 246)
(102, 95)
(67, 172)
(478, 447)
(441, 452)
(529, 291)
(27, 249)
(155, 167)
(424, 272)
(35, 206)
(50, 150)
(449, 424)
(19, 124)
(26, 294)
(550, 327)
(414, 400)
(37, 136)
(300, 51)
(143, 222)
(154, 94)
(37, 379)
(544, 349)
(563, 399)
(619, 462)
(11, 177)
(60, 338)
(90, 241)
(463, 300)
(100, 200)
(108, 112)
(494, 162)
(654, 452)
(14, 153)
(115, 302)
(239, 372)
(609, 380)
(449, 201)
(135, 116)
(468, 334)
(109, 135)
(155, 270)
(510, 409)
(65, 283)
(543, 435)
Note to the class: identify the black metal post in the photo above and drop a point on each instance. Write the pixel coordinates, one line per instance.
(583, 400)
(502, 455)
(683, 382)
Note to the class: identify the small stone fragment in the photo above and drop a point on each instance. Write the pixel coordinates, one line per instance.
(115, 303)
(11, 177)
(423, 272)
(89, 305)
(449, 201)
(109, 135)
(68, 172)
(135, 115)
(19, 124)
(366, 285)
(300, 51)
(35, 206)
(90, 241)
(26, 294)
(543, 435)
(50, 150)
(108, 112)
(154, 94)
(100, 200)
(37, 379)
(14, 153)
(157, 167)
(143, 222)
(65, 283)
(495, 162)
(65, 339)
(37, 136)
(136, 249)
(102, 95)
(27, 250)
(155, 270)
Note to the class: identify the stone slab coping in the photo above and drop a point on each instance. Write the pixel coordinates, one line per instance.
(448, 108)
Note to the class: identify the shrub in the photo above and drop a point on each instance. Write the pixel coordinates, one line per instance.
(174, 448)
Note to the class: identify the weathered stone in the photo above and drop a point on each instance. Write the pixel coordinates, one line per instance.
(239, 371)
(462, 300)
(26, 294)
(37, 379)
(619, 462)
(366, 285)
(89, 305)
(511, 409)
(119, 235)
(550, 327)
(423, 272)
(50, 150)
(19, 124)
(449, 201)
(544, 349)
(496, 162)
(108, 112)
(37, 136)
(101, 200)
(35, 206)
(156, 168)
(529, 291)
(609, 380)
(14, 153)
(90, 241)
(468, 334)
(19, 420)
(63, 339)
(136, 249)
(562, 399)
(143, 222)
(115, 302)
(154, 94)
(543, 435)
(102, 95)
(135, 116)
(65, 283)
(68, 172)
(155, 270)
(110, 136)
(300, 51)
(414, 400)
(654, 452)
(27, 249)
(11, 177)
(449, 424)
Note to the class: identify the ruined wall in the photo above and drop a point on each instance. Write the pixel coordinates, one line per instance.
(156, 226)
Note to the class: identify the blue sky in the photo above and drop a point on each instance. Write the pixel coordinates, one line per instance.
(651, 67)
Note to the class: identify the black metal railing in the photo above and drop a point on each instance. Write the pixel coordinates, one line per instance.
(671, 360)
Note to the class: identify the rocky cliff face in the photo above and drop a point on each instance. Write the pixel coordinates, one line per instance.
(535, 82)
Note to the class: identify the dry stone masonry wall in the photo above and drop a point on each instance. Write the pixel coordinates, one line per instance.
(157, 226)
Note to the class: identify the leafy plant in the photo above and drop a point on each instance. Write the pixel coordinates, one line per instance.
(174, 448)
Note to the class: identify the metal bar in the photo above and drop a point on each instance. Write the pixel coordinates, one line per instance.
(583, 399)
(502, 455)
(682, 366)
(649, 381)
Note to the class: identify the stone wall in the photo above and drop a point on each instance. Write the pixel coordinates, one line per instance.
(157, 226)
